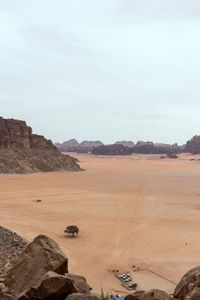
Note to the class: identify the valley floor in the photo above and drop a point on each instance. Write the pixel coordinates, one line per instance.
(131, 210)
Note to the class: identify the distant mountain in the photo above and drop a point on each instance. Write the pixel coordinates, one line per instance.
(74, 146)
(115, 149)
(125, 147)
(129, 144)
(157, 148)
(193, 145)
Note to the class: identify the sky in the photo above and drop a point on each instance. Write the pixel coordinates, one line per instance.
(102, 69)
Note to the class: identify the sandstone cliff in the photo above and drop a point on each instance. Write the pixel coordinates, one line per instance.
(21, 151)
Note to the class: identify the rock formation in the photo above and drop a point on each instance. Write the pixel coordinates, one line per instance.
(39, 257)
(154, 294)
(188, 287)
(157, 148)
(193, 145)
(129, 144)
(115, 149)
(24, 152)
(73, 146)
(41, 273)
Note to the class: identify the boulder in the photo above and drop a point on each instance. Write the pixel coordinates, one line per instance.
(5, 296)
(80, 283)
(56, 287)
(136, 296)
(40, 256)
(79, 296)
(187, 284)
(154, 294)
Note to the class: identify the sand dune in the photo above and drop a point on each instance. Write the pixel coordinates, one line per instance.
(134, 210)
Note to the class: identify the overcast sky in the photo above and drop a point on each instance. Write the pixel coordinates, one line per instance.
(102, 69)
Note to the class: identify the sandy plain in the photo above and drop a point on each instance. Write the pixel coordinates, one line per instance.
(131, 210)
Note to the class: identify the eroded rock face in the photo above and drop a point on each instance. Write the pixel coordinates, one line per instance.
(154, 294)
(189, 286)
(40, 256)
(16, 134)
(24, 152)
(51, 286)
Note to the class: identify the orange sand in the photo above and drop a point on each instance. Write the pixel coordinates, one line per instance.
(131, 210)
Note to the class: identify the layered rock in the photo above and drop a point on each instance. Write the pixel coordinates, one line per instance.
(21, 151)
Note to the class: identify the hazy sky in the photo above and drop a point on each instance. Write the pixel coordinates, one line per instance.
(102, 69)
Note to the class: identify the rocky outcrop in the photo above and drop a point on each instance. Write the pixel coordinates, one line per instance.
(15, 134)
(151, 148)
(39, 257)
(56, 286)
(129, 144)
(154, 294)
(11, 246)
(21, 151)
(193, 145)
(41, 273)
(115, 149)
(189, 286)
(73, 146)
(79, 296)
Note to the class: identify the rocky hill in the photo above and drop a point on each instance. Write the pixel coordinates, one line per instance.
(193, 145)
(151, 148)
(129, 144)
(118, 148)
(21, 151)
(74, 146)
(115, 149)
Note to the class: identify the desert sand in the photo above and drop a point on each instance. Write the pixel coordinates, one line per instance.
(131, 210)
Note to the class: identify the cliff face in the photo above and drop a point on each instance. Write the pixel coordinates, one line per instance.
(15, 134)
(21, 151)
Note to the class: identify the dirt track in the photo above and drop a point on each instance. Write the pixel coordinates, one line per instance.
(133, 210)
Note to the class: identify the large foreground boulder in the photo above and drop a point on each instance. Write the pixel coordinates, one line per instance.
(79, 296)
(56, 287)
(189, 285)
(40, 256)
(6, 296)
(154, 294)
